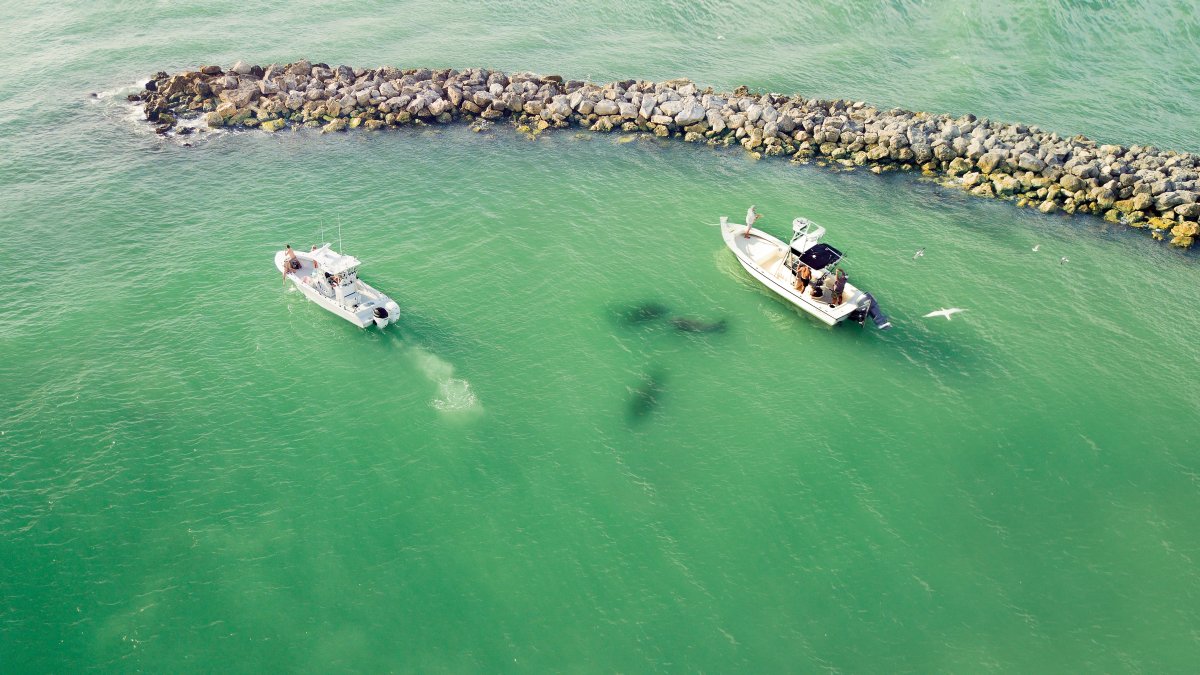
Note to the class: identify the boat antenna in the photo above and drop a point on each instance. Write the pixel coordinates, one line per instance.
(340, 247)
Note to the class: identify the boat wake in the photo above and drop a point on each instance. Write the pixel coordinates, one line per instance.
(454, 394)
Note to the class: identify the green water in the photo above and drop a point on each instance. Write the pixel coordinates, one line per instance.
(201, 471)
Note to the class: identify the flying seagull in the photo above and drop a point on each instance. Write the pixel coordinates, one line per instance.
(1063, 260)
(920, 252)
(944, 312)
(1035, 248)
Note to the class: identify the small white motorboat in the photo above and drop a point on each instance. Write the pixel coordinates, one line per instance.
(777, 265)
(330, 279)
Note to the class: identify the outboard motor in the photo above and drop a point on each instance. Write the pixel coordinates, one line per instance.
(876, 314)
(381, 317)
(393, 311)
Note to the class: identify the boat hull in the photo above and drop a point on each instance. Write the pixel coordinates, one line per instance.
(364, 316)
(779, 281)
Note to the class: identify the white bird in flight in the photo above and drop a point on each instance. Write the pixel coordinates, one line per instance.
(1035, 248)
(945, 312)
(1064, 260)
(920, 252)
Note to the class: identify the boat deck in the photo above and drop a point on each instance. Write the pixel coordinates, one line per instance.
(766, 254)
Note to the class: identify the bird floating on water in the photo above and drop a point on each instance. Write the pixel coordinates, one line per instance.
(920, 252)
(1064, 260)
(1035, 248)
(720, 37)
(945, 312)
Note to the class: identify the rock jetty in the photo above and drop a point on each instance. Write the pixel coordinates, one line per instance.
(1141, 186)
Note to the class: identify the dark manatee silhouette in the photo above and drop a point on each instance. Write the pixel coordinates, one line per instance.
(643, 313)
(686, 325)
(646, 396)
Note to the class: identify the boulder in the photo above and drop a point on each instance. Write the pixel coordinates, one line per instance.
(628, 110)
(241, 68)
(690, 113)
(1006, 185)
(972, 179)
(560, 106)
(1190, 211)
(646, 109)
(338, 124)
(1169, 200)
(1028, 162)
(606, 107)
(214, 119)
(989, 161)
(210, 70)
(226, 110)
(1071, 183)
(300, 68)
(958, 165)
(272, 126)
(671, 108)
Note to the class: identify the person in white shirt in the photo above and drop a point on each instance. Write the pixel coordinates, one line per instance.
(751, 217)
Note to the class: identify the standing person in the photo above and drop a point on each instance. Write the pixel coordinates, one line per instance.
(751, 216)
(839, 285)
(289, 260)
(803, 276)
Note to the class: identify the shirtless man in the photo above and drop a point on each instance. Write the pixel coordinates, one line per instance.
(288, 256)
(803, 276)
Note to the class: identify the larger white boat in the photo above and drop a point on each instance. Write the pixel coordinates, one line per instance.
(330, 279)
(776, 264)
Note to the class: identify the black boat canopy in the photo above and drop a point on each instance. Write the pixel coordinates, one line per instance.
(819, 256)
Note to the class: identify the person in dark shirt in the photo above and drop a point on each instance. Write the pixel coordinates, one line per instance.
(839, 285)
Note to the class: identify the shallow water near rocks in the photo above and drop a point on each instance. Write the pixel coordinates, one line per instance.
(198, 468)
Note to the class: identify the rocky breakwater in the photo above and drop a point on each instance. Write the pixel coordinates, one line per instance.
(1141, 186)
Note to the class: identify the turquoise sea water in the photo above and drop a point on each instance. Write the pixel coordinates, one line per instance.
(200, 471)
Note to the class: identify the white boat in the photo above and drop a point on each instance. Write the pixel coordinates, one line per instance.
(775, 264)
(330, 279)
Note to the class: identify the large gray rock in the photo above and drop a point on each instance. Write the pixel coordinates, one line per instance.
(691, 113)
(646, 110)
(988, 162)
(241, 68)
(1071, 183)
(388, 90)
(1028, 162)
(1169, 200)
(560, 106)
(300, 68)
(606, 107)
(716, 121)
(671, 108)
(627, 109)
(1190, 211)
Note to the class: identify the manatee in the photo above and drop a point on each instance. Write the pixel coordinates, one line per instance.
(644, 398)
(643, 313)
(686, 325)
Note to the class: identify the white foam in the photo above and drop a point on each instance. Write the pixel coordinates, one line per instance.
(454, 393)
